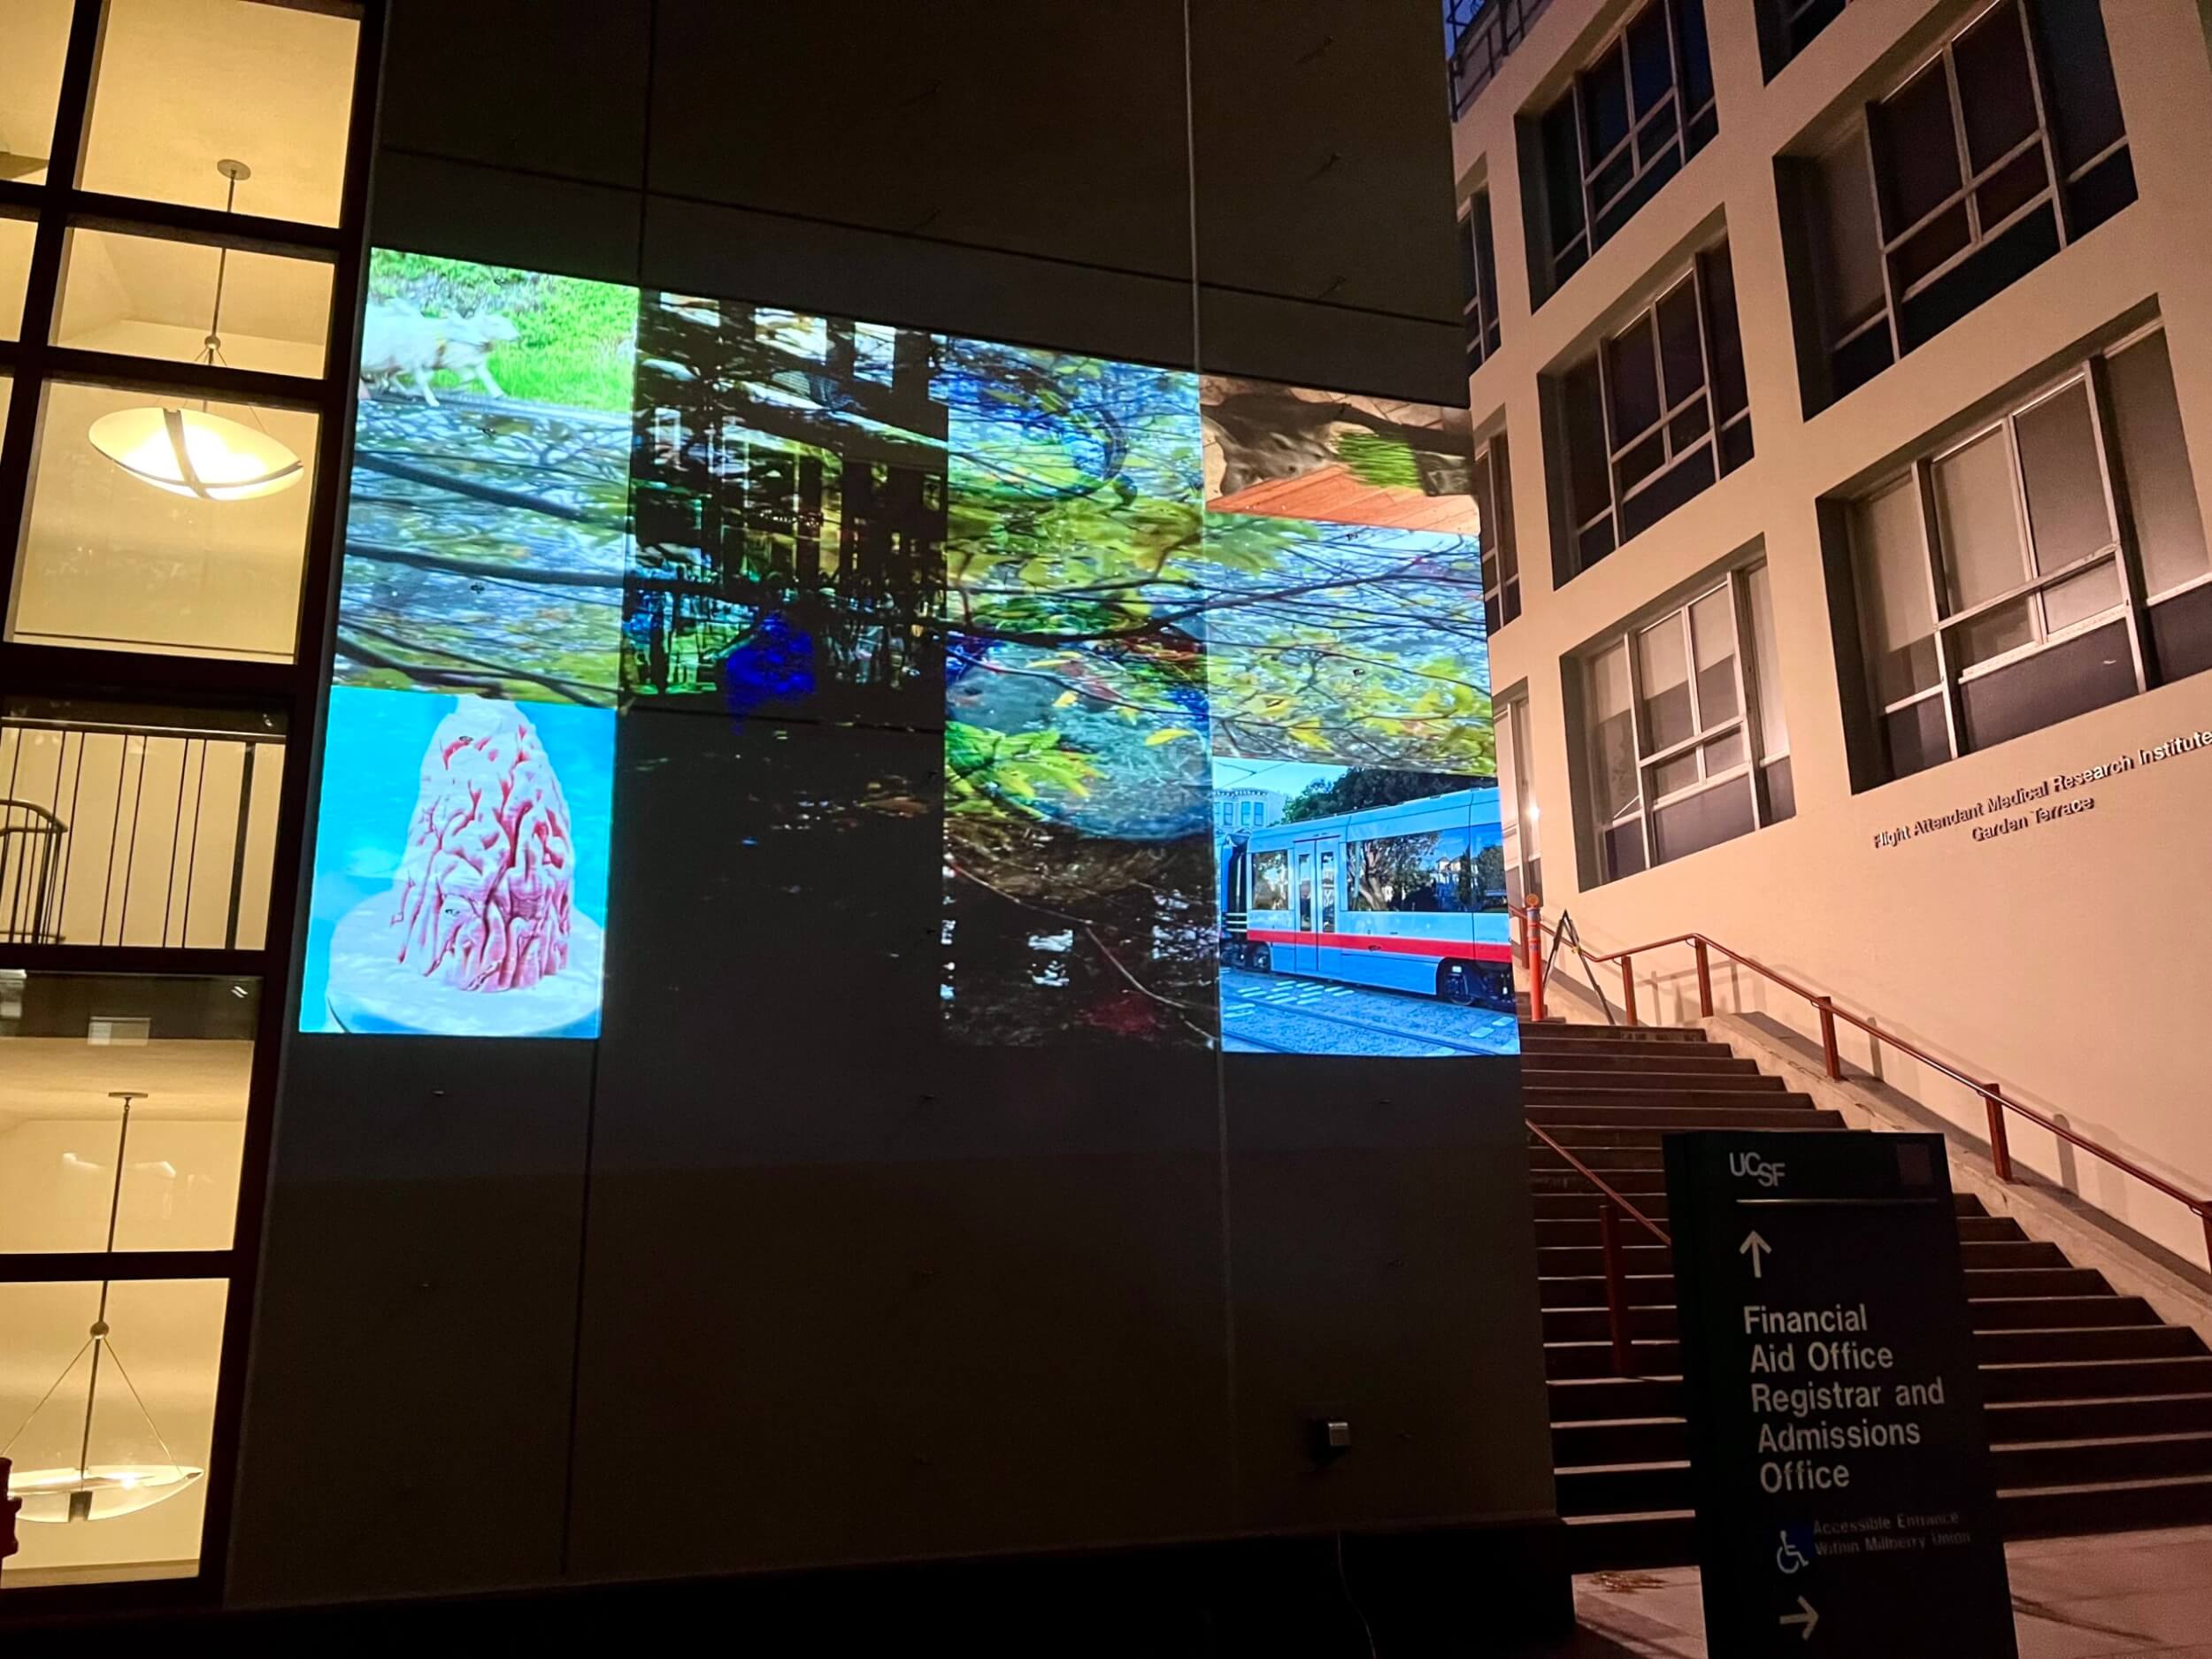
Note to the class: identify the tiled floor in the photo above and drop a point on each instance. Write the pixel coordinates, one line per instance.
(2072, 1598)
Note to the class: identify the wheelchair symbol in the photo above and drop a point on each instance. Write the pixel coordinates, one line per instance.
(1789, 1558)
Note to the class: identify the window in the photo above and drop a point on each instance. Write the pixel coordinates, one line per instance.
(146, 297)
(1993, 579)
(1479, 281)
(1271, 881)
(1630, 119)
(1430, 871)
(1683, 730)
(1516, 785)
(30, 90)
(1656, 413)
(2004, 147)
(1501, 564)
(1787, 27)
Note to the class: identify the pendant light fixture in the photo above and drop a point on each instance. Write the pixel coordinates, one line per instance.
(96, 1487)
(194, 452)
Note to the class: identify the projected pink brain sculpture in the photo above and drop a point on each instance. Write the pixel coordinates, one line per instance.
(486, 887)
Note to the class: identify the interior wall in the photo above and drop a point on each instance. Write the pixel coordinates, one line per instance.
(817, 1284)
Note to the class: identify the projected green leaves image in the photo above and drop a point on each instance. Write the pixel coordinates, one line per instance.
(488, 524)
(1076, 769)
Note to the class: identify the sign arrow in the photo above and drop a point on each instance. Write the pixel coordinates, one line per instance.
(1757, 1247)
(1808, 1617)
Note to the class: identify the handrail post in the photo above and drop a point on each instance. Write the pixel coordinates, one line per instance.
(1628, 990)
(2000, 1151)
(1615, 1292)
(1533, 942)
(1704, 978)
(1828, 1054)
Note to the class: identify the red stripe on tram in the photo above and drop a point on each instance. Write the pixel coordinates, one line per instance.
(1478, 950)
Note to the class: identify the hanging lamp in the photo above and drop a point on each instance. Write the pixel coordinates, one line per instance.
(195, 453)
(96, 1488)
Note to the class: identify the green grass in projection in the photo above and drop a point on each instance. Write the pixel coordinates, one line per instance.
(575, 339)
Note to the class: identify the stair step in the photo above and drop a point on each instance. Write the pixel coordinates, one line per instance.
(1616, 1488)
(2106, 1506)
(1679, 1060)
(1538, 1080)
(1983, 1285)
(1641, 1132)
(1606, 1543)
(2057, 1419)
(1602, 1159)
(2052, 1317)
(2109, 1341)
(1774, 1111)
(1591, 1360)
(1640, 1255)
(1625, 1440)
(1605, 1399)
(2087, 1379)
(2083, 1460)
(1725, 1101)
(1565, 1033)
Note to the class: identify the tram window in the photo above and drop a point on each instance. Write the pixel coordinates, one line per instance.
(1328, 893)
(1434, 871)
(1271, 881)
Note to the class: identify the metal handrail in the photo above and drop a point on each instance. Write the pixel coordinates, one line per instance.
(1996, 1102)
(1610, 1205)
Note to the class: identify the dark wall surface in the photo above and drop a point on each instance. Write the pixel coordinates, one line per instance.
(772, 1274)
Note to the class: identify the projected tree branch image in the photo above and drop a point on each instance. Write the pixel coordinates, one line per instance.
(1203, 658)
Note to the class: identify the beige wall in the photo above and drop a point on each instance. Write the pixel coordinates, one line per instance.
(2066, 963)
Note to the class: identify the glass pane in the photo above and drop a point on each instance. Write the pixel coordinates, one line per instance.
(1994, 632)
(2078, 598)
(1612, 739)
(1723, 754)
(1996, 97)
(71, 1046)
(187, 83)
(1697, 65)
(1586, 453)
(1848, 267)
(1562, 173)
(1897, 615)
(1915, 152)
(1977, 523)
(1713, 636)
(1650, 59)
(2085, 104)
(1604, 105)
(1681, 343)
(146, 298)
(2154, 460)
(1766, 673)
(1929, 247)
(141, 826)
(2011, 186)
(1632, 378)
(1671, 777)
(119, 552)
(2043, 687)
(1725, 341)
(37, 38)
(16, 237)
(1663, 666)
(2058, 464)
(1715, 815)
(1918, 737)
(149, 1405)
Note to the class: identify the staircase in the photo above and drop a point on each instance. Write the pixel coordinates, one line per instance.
(2101, 1415)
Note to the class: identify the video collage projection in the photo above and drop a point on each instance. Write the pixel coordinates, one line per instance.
(1201, 659)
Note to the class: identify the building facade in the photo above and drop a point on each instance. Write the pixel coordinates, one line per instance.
(1846, 374)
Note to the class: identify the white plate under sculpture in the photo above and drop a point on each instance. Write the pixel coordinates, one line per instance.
(372, 991)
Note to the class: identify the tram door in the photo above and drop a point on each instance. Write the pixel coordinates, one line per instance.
(1304, 957)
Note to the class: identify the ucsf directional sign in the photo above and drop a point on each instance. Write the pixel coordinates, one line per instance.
(1841, 1462)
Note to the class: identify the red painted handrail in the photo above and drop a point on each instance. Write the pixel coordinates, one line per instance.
(1611, 1204)
(1994, 1101)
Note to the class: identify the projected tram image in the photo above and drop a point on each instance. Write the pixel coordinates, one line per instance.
(1378, 930)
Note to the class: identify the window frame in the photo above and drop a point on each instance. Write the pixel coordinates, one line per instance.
(1564, 256)
(1698, 278)
(291, 691)
(1480, 315)
(1746, 724)
(2123, 553)
(1501, 554)
(2054, 192)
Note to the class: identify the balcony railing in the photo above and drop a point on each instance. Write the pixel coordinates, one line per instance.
(132, 833)
(1483, 34)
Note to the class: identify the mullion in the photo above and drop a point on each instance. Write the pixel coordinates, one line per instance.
(1931, 539)
(2119, 511)
(2043, 120)
(2025, 525)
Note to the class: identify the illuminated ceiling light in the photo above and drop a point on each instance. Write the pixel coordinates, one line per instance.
(90, 1489)
(192, 452)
